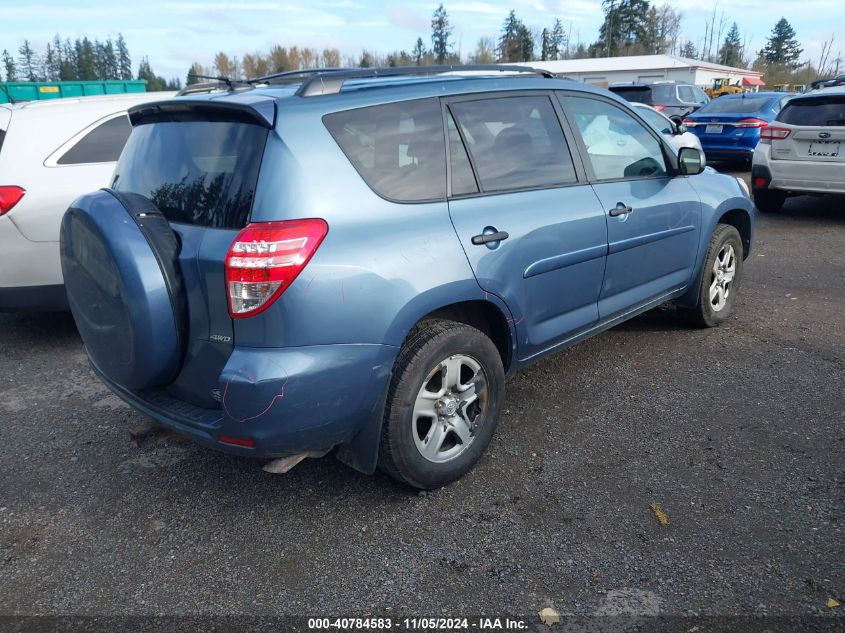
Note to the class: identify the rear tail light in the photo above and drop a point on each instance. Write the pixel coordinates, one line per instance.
(9, 197)
(265, 258)
(690, 123)
(759, 123)
(659, 108)
(773, 133)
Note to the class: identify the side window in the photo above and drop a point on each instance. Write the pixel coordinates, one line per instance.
(686, 94)
(463, 180)
(398, 148)
(618, 146)
(103, 144)
(515, 142)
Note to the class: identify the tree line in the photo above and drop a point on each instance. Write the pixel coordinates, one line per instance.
(80, 60)
(629, 27)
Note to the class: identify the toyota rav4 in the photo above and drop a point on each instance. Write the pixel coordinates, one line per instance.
(353, 261)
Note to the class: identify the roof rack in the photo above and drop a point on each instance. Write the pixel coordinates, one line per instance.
(291, 76)
(327, 82)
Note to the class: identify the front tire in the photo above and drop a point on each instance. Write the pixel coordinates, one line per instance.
(769, 200)
(719, 279)
(443, 404)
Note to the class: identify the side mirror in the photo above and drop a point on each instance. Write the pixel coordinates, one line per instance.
(678, 123)
(690, 161)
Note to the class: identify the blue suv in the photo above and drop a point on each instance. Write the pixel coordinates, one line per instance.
(353, 261)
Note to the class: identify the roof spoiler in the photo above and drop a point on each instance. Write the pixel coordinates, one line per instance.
(256, 109)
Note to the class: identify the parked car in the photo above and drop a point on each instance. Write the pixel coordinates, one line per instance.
(673, 129)
(669, 97)
(802, 151)
(230, 289)
(51, 152)
(729, 127)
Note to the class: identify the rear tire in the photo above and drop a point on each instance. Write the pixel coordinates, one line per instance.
(454, 372)
(769, 200)
(719, 279)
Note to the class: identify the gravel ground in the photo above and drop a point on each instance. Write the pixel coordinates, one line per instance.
(738, 434)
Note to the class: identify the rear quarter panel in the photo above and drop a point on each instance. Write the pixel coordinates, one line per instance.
(382, 266)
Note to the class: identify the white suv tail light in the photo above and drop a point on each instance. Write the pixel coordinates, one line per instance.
(773, 133)
(10, 195)
(265, 258)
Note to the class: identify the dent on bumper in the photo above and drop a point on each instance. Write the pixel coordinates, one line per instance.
(287, 400)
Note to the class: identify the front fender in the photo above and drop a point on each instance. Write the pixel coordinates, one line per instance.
(723, 200)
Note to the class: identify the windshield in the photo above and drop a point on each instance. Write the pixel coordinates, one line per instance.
(195, 172)
(739, 105)
(816, 111)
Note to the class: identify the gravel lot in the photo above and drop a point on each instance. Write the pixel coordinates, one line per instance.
(737, 433)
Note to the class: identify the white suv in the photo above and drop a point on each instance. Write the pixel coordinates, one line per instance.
(51, 152)
(802, 151)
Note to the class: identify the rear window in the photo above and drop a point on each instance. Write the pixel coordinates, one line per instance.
(636, 94)
(103, 144)
(399, 149)
(741, 105)
(817, 111)
(195, 172)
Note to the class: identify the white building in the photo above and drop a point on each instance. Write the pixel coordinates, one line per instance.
(602, 71)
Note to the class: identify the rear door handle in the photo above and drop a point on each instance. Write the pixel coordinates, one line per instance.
(486, 238)
(620, 209)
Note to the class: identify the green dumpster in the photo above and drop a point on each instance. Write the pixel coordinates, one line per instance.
(38, 90)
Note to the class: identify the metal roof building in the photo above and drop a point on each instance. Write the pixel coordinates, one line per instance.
(602, 71)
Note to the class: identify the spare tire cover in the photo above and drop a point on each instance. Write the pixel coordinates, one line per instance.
(120, 265)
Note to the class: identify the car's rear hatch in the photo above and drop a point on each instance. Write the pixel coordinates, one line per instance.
(198, 163)
(813, 129)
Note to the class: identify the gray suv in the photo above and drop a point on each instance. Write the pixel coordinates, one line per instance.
(672, 98)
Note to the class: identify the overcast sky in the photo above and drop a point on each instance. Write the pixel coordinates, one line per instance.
(174, 34)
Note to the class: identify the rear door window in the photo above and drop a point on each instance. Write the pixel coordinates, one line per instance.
(636, 94)
(195, 172)
(514, 142)
(817, 111)
(686, 94)
(103, 144)
(463, 178)
(618, 146)
(398, 149)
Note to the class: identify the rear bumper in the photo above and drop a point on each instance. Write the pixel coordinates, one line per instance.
(30, 275)
(716, 152)
(33, 298)
(286, 401)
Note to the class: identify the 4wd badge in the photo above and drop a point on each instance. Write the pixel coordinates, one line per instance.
(220, 338)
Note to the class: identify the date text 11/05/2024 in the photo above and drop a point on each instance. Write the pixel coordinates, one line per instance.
(418, 624)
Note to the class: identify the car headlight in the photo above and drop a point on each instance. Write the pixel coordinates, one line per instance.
(744, 186)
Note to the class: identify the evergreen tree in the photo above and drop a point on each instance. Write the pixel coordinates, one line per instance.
(558, 41)
(86, 63)
(689, 50)
(625, 25)
(782, 46)
(366, 60)
(193, 73)
(52, 63)
(419, 52)
(10, 66)
(526, 44)
(545, 45)
(69, 61)
(29, 61)
(124, 61)
(731, 52)
(510, 44)
(440, 32)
